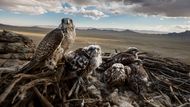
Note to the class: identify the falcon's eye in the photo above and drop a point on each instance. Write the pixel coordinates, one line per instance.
(71, 21)
(65, 21)
(91, 48)
(114, 68)
(135, 51)
(98, 49)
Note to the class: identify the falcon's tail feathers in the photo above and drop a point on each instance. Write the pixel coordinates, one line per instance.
(28, 67)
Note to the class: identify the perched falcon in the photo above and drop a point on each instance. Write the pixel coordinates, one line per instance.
(115, 75)
(84, 60)
(53, 46)
(138, 78)
(125, 58)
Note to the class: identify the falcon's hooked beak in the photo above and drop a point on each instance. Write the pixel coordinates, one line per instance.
(66, 24)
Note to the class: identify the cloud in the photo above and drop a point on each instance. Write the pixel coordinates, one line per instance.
(70, 10)
(91, 13)
(165, 28)
(83, 2)
(182, 27)
(168, 8)
(32, 7)
(165, 8)
(94, 14)
(37, 7)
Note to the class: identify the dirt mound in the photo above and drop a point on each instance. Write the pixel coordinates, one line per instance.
(15, 49)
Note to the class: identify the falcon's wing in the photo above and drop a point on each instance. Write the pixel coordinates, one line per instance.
(77, 61)
(124, 58)
(48, 45)
(142, 73)
(107, 75)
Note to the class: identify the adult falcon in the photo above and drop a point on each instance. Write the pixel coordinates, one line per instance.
(52, 48)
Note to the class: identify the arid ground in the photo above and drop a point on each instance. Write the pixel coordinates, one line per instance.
(166, 46)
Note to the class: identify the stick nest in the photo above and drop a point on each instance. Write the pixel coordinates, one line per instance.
(169, 86)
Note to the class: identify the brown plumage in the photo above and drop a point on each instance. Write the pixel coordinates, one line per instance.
(53, 46)
(125, 58)
(127, 70)
(138, 69)
(84, 60)
(138, 78)
(115, 75)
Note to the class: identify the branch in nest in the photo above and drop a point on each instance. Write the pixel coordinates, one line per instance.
(92, 100)
(29, 76)
(7, 70)
(43, 100)
(23, 89)
(36, 76)
(8, 90)
(184, 105)
(175, 95)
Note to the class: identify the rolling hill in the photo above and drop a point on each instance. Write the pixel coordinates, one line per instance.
(175, 45)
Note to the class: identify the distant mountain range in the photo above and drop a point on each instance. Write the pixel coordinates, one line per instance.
(25, 28)
(186, 33)
(94, 31)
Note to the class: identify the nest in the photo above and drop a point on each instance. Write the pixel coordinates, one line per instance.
(169, 86)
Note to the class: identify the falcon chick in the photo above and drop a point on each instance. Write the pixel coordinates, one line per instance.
(53, 46)
(115, 75)
(84, 60)
(138, 78)
(138, 69)
(125, 58)
(134, 51)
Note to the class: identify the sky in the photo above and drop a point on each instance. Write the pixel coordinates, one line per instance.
(155, 15)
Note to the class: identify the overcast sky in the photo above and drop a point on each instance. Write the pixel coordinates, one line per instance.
(157, 15)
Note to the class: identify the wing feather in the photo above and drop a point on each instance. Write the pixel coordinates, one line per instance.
(45, 49)
(48, 45)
